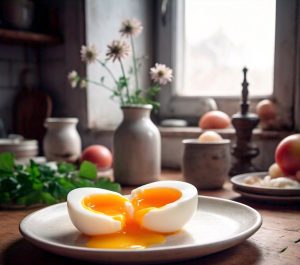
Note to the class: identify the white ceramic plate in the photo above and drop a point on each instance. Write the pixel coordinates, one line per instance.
(217, 225)
(238, 182)
(267, 198)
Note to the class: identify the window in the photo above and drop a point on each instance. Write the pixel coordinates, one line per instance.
(271, 74)
(103, 18)
(220, 37)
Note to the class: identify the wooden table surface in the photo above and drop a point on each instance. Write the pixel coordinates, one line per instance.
(276, 242)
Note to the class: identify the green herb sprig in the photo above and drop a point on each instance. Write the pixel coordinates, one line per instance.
(42, 184)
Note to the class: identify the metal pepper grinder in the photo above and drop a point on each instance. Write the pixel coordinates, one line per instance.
(244, 150)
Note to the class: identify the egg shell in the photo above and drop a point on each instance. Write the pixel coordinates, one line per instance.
(214, 119)
(210, 137)
(275, 171)
(266, 109)
(173, 216)
(89, 222)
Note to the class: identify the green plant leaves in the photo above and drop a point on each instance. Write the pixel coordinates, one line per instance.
(43, 184)
(65, 168)
(122, 82)
(88, 170)
(6, 162)
(105, 183)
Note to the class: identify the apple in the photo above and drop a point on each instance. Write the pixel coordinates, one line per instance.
(287, 155)
(98, 155)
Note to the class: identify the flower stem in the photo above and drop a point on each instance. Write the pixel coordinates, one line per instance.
(109, 71)
(124, 76)
(108, 88)
(134, 64)
(100, 84)
(113, 78)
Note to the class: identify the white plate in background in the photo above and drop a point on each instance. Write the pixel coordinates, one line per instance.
(268, 198)
(238, 181)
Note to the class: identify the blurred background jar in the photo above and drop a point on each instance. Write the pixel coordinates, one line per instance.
(62, 141)
(18, 13)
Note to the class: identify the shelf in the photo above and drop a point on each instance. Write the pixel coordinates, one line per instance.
(24, 37)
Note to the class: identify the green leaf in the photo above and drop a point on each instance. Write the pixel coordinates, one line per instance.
(153, 91)
(83, 183)
(58, 191)
(65, 168)
(105, 183)
(47, 198)
(33, 169)
(66, 184)
(138, 92)
(88, 170)
(8, 184)
(122, 82)
(31, 198)
(37, 185)
(6, 162)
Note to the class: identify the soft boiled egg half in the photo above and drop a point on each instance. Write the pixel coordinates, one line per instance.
(140, 220)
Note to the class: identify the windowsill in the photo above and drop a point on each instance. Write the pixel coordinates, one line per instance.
(194, 132)
(172, 147)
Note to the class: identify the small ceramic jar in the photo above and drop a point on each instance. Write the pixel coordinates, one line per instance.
(62, 141)
(206, 165)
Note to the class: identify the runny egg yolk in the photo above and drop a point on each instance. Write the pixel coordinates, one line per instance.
(132, 236)
(153, 198)
(108, 204)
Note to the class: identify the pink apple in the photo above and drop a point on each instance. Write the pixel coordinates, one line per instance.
(99, 155)
(287, 155)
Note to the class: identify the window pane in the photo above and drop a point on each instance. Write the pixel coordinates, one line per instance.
(223, 36)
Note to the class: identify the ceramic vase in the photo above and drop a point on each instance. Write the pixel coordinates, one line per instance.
(62, 141)
(137, 147)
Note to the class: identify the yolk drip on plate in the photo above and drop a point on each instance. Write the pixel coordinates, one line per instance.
(132, 236)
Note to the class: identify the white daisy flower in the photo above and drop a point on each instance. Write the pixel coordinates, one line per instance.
(73, 78)
(161, 74)
(89, 54)
(83, 84)
(118, 50)
(131, 27)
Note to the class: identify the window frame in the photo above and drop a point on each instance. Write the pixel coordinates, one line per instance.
(169, 28)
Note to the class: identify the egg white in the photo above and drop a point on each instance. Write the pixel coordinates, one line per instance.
(89, 222)
(173, 216)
